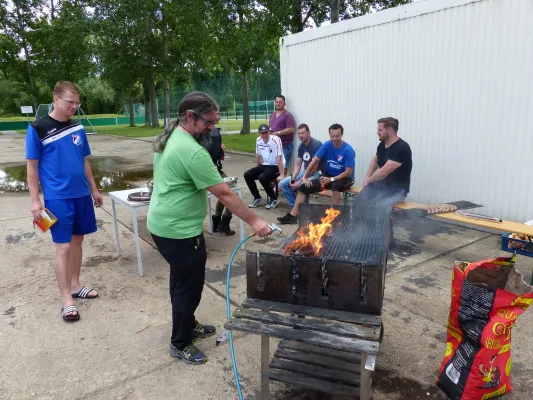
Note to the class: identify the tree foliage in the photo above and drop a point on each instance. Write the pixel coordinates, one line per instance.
(125, 51)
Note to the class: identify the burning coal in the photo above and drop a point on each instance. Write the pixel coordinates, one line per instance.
(311, 238)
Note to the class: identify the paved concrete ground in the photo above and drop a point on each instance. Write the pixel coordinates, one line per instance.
(119, 348)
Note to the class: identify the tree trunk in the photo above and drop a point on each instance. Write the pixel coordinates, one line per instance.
(334, 11)
(132, 111)
(28, 61)
(245, 105)
(147, 121)
(166, 85)
(296, 16)
(30, 78)
(153, 98)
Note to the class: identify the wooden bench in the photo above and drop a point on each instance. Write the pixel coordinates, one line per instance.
(324, 350)
(504, 226)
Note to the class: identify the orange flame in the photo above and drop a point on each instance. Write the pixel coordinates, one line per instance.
(312, 236)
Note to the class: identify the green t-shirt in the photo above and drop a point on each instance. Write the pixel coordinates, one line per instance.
(182, 172)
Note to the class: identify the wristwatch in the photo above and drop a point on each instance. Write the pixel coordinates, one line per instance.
(332, 179)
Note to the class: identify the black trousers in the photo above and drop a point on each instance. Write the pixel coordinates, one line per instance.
(265, 174)
(187, 259)
(336, 186)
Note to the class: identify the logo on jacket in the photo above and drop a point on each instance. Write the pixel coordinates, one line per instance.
(76, 139)
(339, 158)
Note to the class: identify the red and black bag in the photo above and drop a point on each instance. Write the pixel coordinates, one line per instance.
(487, 298)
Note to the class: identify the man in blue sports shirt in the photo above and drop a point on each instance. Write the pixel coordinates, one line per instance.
(56, 153)
(339, 159)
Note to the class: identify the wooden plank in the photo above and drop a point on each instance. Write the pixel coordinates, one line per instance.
(344, 316)
(341, 329)
(504, 226)
(328, 374)
(312, 383)
(313, 359)
(265, 355)
(316, 338)
(321, 351)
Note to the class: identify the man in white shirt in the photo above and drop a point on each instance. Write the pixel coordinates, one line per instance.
(270, 159)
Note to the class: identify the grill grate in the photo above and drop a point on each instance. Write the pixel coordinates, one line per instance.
(358, 236)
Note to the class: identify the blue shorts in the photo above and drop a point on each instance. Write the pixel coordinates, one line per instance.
(74, 217)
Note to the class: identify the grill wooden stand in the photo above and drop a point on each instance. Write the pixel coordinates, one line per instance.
(325, 350)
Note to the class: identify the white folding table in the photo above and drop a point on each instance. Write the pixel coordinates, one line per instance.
(121, 196)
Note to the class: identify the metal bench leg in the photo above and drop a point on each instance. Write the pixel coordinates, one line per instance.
(265, 357)
(368, 364)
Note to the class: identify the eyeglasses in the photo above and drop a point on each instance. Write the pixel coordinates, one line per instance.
(70, 102)
(205, 121)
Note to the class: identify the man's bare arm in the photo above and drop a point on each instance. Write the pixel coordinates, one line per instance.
(97, 197)
(311, 168)
(286, 131)
(32, 167)
(279, 161)
(237, 207)
(384, 171)
(346, 174)
(297, 168)
(372, 167)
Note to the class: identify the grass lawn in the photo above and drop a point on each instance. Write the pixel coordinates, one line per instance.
(232, 142)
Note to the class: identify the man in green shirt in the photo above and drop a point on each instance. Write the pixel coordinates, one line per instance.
(183, 173)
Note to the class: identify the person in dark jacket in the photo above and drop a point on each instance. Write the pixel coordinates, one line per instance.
(221, 219)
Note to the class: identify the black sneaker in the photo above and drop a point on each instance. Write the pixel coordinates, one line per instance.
(203, 331)
(288, 219)
(190, 354)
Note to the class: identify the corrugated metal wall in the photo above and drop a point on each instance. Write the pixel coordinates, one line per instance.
(459, 79)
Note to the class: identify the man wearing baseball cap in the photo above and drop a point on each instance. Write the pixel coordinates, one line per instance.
(270, 159)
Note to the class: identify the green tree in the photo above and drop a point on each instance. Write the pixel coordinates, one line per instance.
(247, 36)
(18, 20)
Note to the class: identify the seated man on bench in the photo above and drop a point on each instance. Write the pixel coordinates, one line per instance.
(270, 159)
(306, 151)
(338, 174)
(388, 178)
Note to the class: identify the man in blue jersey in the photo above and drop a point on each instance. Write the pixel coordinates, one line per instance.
(338, 158)
(56, 153)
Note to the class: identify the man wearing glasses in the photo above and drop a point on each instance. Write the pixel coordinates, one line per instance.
(56, 153)
(183, 174)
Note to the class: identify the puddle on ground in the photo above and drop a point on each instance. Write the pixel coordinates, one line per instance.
(110, 174)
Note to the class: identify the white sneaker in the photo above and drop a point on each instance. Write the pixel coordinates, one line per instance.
(257, 202)
(272, 204)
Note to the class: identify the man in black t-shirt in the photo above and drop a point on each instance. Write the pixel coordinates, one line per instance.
(388, 178)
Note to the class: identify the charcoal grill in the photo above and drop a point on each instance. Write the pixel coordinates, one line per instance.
(348, 275)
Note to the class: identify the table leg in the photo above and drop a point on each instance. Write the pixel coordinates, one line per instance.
(137, 242)
(265, 357)
(209, 219)
(117, 238)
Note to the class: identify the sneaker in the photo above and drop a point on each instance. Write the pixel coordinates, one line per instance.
(257, 202)
(190, 354)
(272, 204)
(288, 219)
(203, 331)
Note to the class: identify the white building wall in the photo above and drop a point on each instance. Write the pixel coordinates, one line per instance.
(458, 74)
